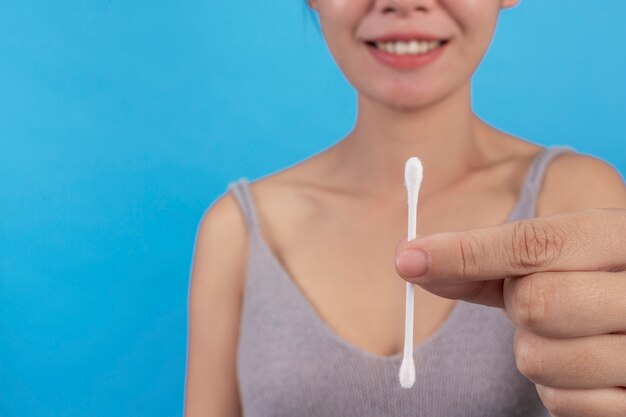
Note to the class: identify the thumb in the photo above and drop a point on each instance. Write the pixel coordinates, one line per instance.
(511, 249)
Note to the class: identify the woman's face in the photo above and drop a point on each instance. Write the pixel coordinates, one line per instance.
(468, 25)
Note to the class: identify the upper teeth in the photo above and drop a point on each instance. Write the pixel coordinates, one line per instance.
(403, 48)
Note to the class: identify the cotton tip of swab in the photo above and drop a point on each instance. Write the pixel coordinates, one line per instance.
(407, 372)
(413, 174)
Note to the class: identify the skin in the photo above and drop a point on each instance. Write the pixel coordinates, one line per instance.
(342, 195)
(561, 279)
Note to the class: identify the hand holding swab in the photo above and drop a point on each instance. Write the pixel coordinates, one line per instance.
(413, 174)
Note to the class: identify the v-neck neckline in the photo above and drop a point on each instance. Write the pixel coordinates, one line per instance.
(331, 334)
(327, 331)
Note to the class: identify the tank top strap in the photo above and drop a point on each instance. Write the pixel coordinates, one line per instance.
(537, 170)
(534, 178)
(241, 191)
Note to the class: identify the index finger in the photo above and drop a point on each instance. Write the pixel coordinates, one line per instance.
(588, 240)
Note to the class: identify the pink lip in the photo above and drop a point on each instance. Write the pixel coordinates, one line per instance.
(406, 61)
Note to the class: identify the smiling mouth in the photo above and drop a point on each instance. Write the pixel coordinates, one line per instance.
(413, 47)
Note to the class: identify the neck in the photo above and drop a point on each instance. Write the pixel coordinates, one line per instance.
(444, 136)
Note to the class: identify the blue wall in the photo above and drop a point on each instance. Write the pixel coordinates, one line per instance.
(122, 121)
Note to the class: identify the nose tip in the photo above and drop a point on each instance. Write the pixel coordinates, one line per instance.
(404, 6)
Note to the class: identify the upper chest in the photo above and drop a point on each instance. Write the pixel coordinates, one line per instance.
(340, 254)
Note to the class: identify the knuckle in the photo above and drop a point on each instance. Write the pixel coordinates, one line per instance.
(528, 302)
(469, 247)
(527, 358)
(535, 244)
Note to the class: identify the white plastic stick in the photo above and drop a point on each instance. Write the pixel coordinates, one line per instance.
(413, 174)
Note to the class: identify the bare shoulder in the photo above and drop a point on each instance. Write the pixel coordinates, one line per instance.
(285, 199)
(214, 310)
(222, 234)
(575, 181)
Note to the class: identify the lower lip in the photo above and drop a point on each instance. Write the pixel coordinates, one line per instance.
(406, 61)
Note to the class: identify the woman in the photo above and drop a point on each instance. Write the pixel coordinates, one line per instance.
(295, 306)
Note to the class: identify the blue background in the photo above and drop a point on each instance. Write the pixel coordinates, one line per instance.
(122, 121)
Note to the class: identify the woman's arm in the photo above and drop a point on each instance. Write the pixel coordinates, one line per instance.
(215, 294)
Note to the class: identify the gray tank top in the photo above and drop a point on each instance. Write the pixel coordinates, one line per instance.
(290, 363)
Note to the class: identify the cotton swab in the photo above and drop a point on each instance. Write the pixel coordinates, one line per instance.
(413, 174)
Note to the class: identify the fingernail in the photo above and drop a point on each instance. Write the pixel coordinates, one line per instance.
(412, 263)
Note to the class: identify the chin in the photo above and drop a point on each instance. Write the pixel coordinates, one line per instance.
(407, 100)
(410, 96)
